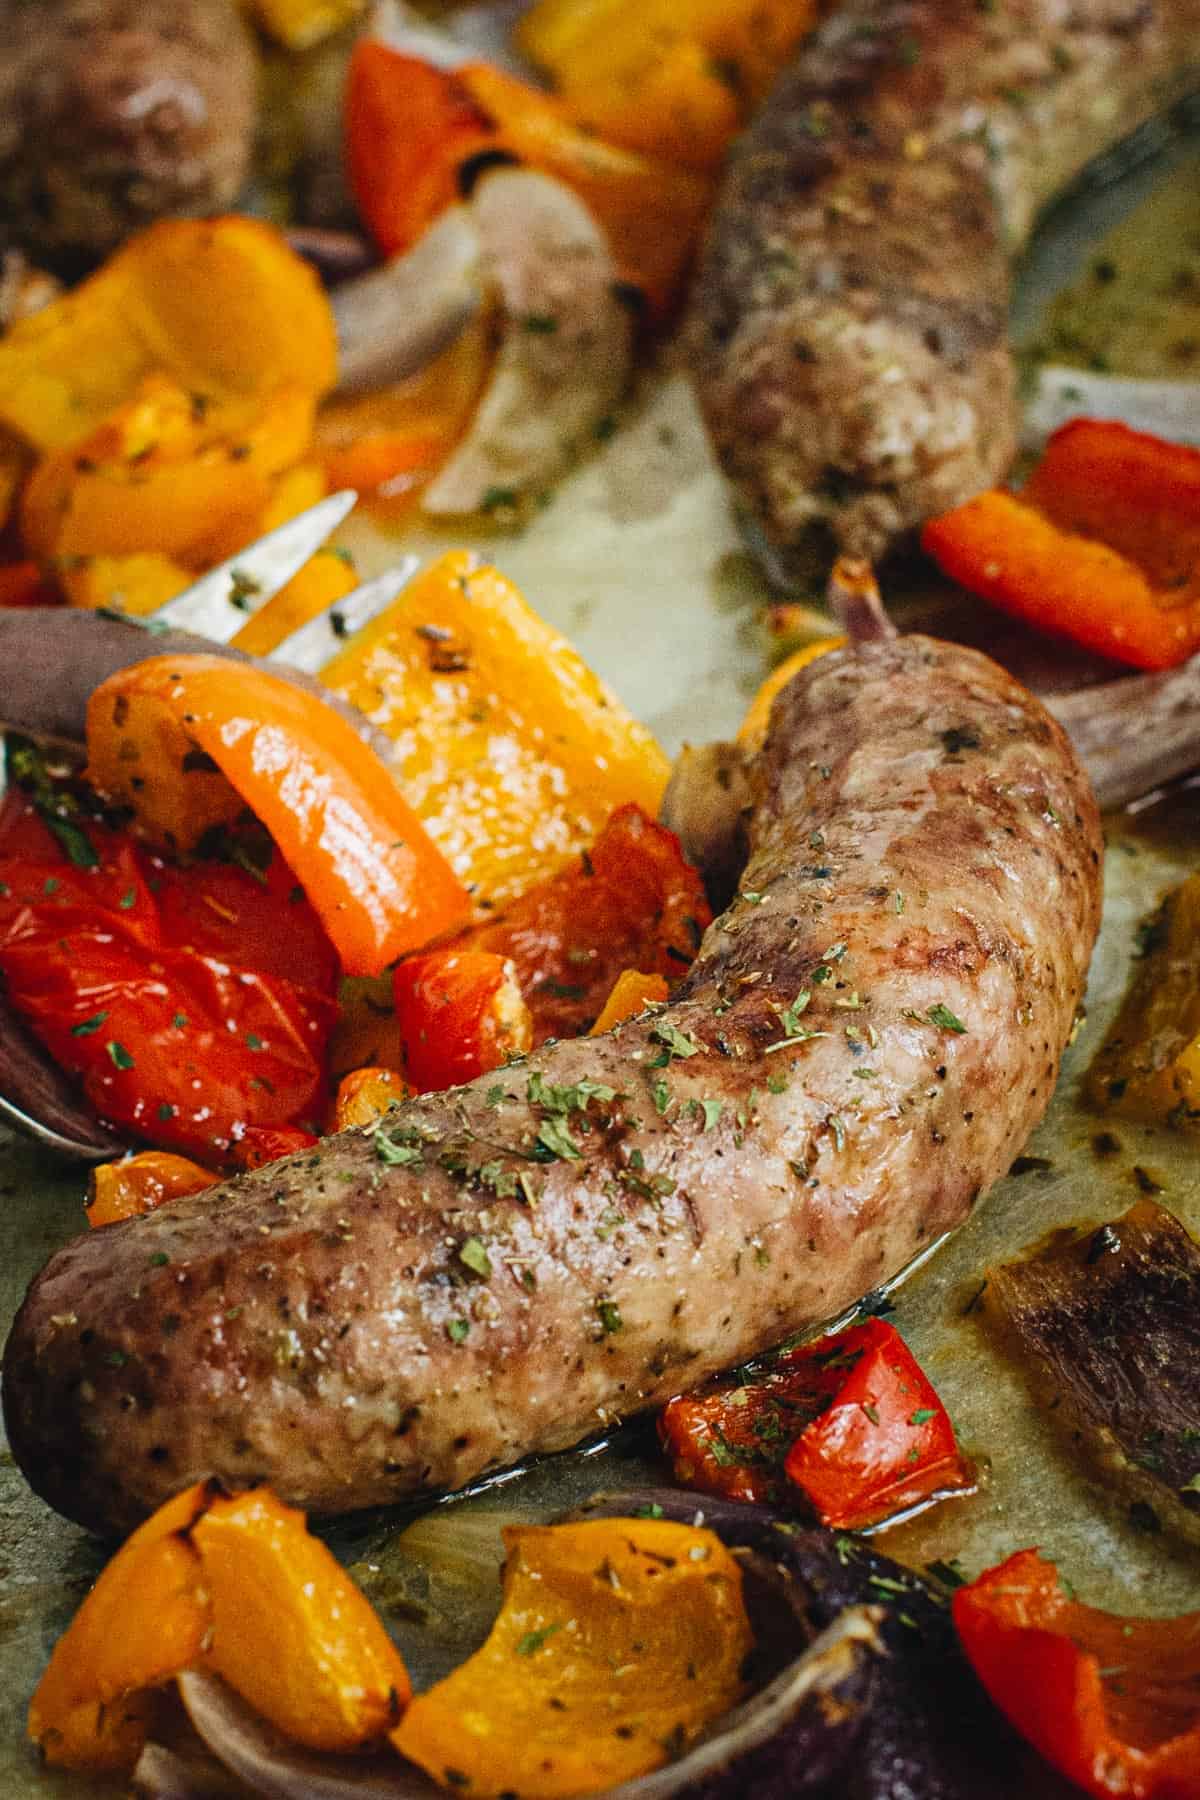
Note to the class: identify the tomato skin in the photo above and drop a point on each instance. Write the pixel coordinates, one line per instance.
(631, 902)
(263, 1144)
(460, 1013)
(1112, 1703)
(145, 996)
(850, 1420)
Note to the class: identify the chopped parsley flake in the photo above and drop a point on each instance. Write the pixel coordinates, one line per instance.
(473, 1254)
(86, 1027)
(942, 1016)
(609, 1314)
(678, 1042)
(395, 1152)
(119, 1055)
(554, 1136)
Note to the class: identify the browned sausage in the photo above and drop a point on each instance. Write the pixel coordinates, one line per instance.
(114, 113)
(850, 322)
(868, 1035)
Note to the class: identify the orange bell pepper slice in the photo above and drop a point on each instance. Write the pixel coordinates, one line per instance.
(409, 127)
(460, 1012)
(365, 1095)
(121, 1190)
(632, 992)
(233, 1583)
(1102, 547)
(850, 1420)
(1113, 1703)
(377, 882)
(651, 210)
(142, 1622)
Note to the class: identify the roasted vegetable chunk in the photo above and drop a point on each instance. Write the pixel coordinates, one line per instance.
(618, 1641)
(1110, 1319)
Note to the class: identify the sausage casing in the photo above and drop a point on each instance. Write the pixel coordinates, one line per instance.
(865, 1040)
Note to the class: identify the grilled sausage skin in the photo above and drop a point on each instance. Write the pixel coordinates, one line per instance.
(866, 1038)
(850, 315)
(116, 113)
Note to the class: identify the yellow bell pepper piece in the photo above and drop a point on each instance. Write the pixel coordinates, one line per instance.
(137, 584)
(619, 1640)
(221, 305)
(142, 1622)
(667, 101)
(753, 728)
(582, 42)
(512, 753)
(325, 579)
(166, 472)
(235, 1584)
(290, 1631)
(296, 24)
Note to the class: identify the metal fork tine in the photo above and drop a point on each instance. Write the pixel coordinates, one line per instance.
(314, 644)
(216, 606)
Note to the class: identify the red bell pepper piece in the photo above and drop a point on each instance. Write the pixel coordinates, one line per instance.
(262, 1144)
(851, 1420)
(168, 992)
(460, 1013)
(1103, 545)
(409, 127)
(1113, 1703)
(630, 902)
(23, 584)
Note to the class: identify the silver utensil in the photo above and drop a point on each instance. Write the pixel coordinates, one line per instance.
(35, 1095)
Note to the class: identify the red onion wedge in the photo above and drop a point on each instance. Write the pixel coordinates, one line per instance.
(269, 1764)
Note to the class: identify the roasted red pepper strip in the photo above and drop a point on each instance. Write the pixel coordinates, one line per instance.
(851, 1420)
(1102, 547)
(1113, 1703)
(630, 902)
(262, 1144)
(166, 991)
(408, 128)
(460, 1013)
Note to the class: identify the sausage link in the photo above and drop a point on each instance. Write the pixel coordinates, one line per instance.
(866, 1038)
(850, 321)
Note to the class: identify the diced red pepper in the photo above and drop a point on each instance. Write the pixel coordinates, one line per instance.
(409, 126)
(850, 1420)
(1102, 546)
(630, 902)
(1112, 1702)
(23, 584)
(262, 1144)
(164, 990)
(460, 1013)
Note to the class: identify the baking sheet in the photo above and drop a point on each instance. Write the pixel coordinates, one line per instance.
(638, 560)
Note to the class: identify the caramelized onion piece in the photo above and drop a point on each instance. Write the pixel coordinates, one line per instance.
(1109, 1319)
